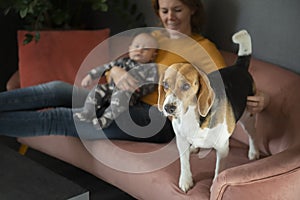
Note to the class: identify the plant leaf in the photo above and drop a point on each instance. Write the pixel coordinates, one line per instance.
(23, 13)
(6, 11)
(28, 38)
(37, 36)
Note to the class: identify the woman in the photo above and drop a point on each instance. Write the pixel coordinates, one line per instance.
(19, 118)
(175, 15)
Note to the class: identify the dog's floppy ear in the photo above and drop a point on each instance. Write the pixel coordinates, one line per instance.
(161, 93)
(206, 95)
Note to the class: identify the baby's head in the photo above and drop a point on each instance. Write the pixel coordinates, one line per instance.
(143, 48)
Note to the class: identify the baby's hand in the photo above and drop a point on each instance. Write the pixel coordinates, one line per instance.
(123, 80)
(86, 81)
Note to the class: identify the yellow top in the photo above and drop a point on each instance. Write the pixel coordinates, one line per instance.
(196, 50)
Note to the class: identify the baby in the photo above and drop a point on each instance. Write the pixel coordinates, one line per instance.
(139, 64)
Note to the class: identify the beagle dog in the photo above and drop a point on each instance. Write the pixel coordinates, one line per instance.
(205, 108)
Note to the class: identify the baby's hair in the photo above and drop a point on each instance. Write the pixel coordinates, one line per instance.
(148, 34)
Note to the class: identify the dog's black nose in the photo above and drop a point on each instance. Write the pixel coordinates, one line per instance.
(170, 108)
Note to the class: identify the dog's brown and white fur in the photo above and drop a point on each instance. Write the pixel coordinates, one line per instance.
(205, 108)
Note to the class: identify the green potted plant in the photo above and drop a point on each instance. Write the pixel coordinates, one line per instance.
(39, 15)
(46, 22)
(51, 14)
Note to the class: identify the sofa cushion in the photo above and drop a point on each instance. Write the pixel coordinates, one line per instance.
(131, 167)
(58, 55)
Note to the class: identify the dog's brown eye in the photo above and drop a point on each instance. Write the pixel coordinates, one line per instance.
(165, 85)
(185, 86)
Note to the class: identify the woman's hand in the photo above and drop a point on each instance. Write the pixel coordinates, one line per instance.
(123, 80)
(258, 102)
(86, 81)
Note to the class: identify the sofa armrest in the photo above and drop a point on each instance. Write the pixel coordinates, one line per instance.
(14, 81)
(252, 180)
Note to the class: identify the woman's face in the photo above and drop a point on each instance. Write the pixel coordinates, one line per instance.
(175, 16)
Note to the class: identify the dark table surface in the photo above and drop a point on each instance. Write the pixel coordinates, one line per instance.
(22, 178)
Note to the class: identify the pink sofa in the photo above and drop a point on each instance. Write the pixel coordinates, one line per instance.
(128, 166)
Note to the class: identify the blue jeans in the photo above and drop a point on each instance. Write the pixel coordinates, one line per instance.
(24, 112)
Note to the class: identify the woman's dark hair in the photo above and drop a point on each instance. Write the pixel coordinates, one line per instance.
(197, 19)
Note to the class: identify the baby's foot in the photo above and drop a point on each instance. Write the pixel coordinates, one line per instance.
(79, 116)
(102, 122)
(82, 116)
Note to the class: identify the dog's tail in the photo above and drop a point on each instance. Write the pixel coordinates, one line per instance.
(243, 39)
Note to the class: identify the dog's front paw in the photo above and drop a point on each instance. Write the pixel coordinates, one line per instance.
(185, 183)
(253, 154)
(194, 149)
